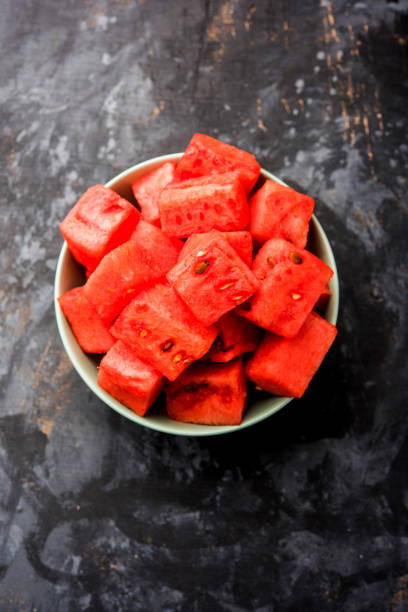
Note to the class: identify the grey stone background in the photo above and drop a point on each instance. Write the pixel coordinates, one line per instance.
(306, 511)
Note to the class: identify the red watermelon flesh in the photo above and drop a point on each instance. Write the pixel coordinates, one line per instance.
(99, 222)
(163, 331)
(128, 379)
(240, 241)
(286, 366)
(91, 332)
(130, 268)
(292, 280)
(237, 336)
(277, 211)
(209, 394)
(204, 203)
(152, 239)
(148, 188)
(207, 156)
(212, 279)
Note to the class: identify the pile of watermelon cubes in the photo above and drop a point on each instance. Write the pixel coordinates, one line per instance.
(204, 286)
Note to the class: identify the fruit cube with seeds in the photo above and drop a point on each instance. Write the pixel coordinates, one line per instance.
(212, 279)
(163, 331)
(237, 336)
(240, 241)
(129, 268)
(291, 281)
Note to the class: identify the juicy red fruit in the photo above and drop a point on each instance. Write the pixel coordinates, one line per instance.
(163, 331)
(208, 393)
(129, 268)
(286, 366)
(277, 211)
(237, 336)
(240, 241)
(205, 156)
(291, 281)
(202, 204)
(128, 379)
(91, 332)
(99, 222)
(212, 279)
(148, 188)
(192, 311)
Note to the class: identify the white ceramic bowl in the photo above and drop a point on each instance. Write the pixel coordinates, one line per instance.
(69, 274)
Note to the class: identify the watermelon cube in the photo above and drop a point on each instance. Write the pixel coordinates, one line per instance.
(163, 331)
(237, 336)
(152, 239)
(129, 268)
(206, 156)
(286, 366)
(89, 329)
(209, 394)
(212, 279)
(148, 188)
(201, 204)
(291, 280)
(240, 241)
(128, 379)
(277, 211)
(99, 222)
(91, 332)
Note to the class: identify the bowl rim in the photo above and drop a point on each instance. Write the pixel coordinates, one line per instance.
(79, 359)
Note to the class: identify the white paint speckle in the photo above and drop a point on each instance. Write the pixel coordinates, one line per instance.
(227, 107)
(332, 91)
(320, 55)
(14, 540)
(299, 84)
(74, 561)
(316, 69)
(103, 22)
(72, 175)
(106, 59)
(21, 135)
(85, 601)
(292, 132)
(51, 264)
(59, 156)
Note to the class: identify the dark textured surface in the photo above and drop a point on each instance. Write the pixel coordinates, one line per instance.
(306, 511)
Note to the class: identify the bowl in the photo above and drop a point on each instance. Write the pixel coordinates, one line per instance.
(70, 274)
